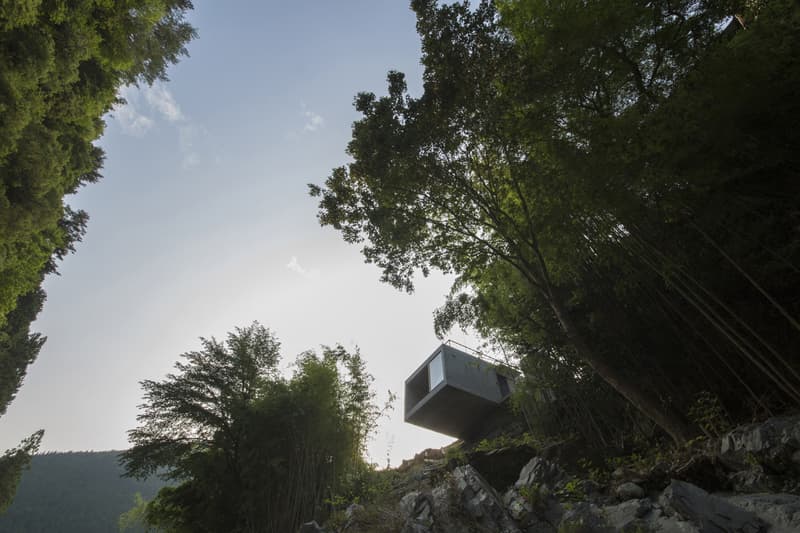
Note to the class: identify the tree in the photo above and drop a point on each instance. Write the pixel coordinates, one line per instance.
(575, 150)
(60, 71)
(445, 181)
(12, 464)
(248, 449)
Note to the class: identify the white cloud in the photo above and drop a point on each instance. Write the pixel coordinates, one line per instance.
(313, 121)
(160, 99)
(131, 121)
(128, 116)
(295, 266)
(146, 104)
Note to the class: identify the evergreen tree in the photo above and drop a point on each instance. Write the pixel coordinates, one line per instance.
(61, 66)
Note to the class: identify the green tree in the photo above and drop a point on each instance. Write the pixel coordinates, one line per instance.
(248, 449)
(446, 181)
(583, 169)
(60, 70)
(12, 464)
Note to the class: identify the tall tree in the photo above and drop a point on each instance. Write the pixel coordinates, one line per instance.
(567, 142)
(60, 69)
(445, 181)
(249, 450)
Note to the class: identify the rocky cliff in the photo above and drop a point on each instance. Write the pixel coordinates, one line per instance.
(746, 481)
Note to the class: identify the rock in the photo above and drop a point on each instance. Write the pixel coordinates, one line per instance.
(780, 511)
(711, 514)
(584, 517)
(629, 491)
(413, 527)
(481, 501)
(353, 509)
(628, 516)
(311, 527)
(772, 443)
(409, 502)
(417, 508)
(754, 480)
(539, 471)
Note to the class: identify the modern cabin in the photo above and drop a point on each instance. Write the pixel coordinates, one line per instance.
(452, 392)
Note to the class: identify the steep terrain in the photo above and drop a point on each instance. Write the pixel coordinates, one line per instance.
(746, 481)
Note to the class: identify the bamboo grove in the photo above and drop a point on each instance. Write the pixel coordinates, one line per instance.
(245, 449)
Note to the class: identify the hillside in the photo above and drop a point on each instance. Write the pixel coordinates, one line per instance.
(81, 492)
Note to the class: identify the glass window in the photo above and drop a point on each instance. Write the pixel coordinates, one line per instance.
(436, 371)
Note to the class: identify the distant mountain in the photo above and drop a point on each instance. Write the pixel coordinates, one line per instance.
(80, 492)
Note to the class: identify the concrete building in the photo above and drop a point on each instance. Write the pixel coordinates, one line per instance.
(452, 392)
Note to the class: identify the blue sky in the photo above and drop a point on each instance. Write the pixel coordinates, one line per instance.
(203, 223)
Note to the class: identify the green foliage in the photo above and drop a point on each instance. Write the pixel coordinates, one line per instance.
(507, 441)
(707, 412)
(61, 66)
(134, 517)
(455, 455)
(247, 448)
(613, 186)
(572, 490)
(12, 464)
(535, 495)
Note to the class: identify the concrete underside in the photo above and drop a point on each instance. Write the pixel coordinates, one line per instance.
(451, 411)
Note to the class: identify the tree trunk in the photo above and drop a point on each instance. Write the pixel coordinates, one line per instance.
(664, 416)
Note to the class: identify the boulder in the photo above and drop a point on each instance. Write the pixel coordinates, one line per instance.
(584, 517)
(711, 514)
(481, 501)
(629, 516)
(629, 491)
(754, 480)
(539, 471)
(773, 443)
(780, 511)
(417, 507)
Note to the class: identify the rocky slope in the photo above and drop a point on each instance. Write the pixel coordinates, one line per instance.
(746, 481)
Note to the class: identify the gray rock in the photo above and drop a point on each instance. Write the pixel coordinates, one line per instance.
(417, 508)
(311, 527)
(754, 480)
(408, 503)
(629, 516)
(584, 517)
(539, 471)
(667, 524)
(481, 501)
(711, 514)
(780, 511)
(629, 491)
(773, 442)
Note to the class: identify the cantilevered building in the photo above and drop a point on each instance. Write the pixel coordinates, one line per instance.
(453, 392)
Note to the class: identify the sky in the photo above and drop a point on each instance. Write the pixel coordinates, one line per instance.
(203, 223)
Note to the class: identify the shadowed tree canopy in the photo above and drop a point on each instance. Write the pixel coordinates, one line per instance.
(577, 146)
(247, 449)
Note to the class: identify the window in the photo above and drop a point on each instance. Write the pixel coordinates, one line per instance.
(435, 371)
